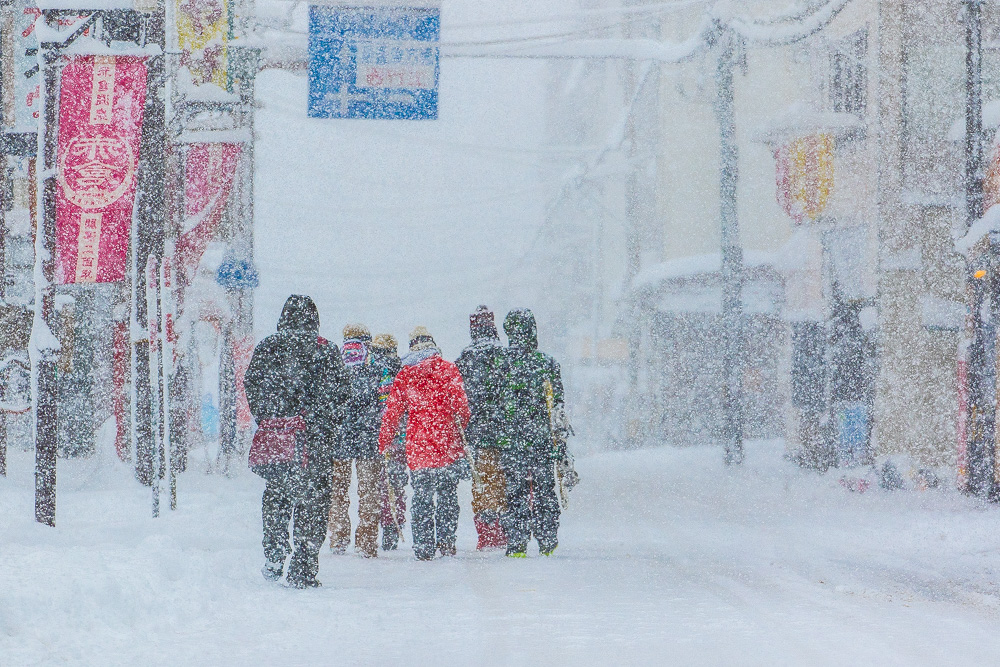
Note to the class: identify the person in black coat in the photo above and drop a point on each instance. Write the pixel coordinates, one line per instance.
(484, 368)
(358, 444)
(296, 384)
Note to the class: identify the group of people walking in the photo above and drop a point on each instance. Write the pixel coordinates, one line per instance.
(495, 416)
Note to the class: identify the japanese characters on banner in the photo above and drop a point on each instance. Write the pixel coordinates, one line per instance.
(203, 38)
(100, 126)
(804, 174)
(209, 172)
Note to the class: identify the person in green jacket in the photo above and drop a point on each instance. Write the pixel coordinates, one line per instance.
(535, 438)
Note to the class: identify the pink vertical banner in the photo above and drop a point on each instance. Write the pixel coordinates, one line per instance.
(208, 178)
(101, 101)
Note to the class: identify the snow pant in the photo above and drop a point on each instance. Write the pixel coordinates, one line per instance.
(394, 477)
(532, 503)
(369, 505)
(304, 499)
(435, 510)
(488, 498)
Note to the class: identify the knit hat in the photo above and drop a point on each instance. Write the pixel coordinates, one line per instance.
(482, 325)
(384, 342)
(421, 339)
(357, 332)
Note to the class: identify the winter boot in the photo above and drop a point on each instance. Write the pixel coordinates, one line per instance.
(272, 570)
(547, 551)
(302, 584)
(517, 551)
(447, 549)
(491, 535)
(390, 537)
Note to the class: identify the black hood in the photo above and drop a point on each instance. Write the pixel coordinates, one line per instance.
(299, 314)
(519, 325)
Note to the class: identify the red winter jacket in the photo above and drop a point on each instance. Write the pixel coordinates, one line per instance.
(431, 395)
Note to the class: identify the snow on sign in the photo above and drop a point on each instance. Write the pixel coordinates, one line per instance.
(374, 62)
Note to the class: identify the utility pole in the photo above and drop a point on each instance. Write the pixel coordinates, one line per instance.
(732, 250)
(150, 216)
(982, 411)
(43, 361)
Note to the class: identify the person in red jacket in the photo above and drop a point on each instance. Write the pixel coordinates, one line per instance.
(428, 391)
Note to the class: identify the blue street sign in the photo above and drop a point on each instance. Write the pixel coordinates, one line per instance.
(374, 62)
(236, 274)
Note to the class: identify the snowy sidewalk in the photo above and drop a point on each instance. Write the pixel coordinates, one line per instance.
(666, 558)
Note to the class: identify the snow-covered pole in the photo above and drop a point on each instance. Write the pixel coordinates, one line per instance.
(732, 250)
(43, 345)
(166, 356)
(973, 110)
(150, 211)
(981, 412)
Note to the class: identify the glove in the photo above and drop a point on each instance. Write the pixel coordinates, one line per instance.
(569, 476)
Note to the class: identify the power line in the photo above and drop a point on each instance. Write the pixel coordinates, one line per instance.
(789, 29)
(659, 8)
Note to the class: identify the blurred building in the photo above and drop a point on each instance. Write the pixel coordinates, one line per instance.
(849, 201)
(602, 136)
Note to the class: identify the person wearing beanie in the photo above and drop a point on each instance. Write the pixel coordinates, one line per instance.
(385, 343)
(394, 472)
(297, 389)
(534, 443)
(429, 392)
(421, 339)
(358, 444)
(484, 368)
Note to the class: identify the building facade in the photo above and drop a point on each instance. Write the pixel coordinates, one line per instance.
(850, 198)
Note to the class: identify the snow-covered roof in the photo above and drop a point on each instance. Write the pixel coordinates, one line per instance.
(682, 267)
(991, 121)
(695, 265)
(990, 222)
(800, 119)
(941, 314)
(205, 92)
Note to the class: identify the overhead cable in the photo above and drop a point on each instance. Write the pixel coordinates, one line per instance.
(783, 31)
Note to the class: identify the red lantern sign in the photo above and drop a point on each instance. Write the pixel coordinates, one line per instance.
(804, 174)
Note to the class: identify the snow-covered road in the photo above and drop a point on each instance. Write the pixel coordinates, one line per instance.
(666, 558)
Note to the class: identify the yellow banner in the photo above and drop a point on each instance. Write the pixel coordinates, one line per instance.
(203, 38)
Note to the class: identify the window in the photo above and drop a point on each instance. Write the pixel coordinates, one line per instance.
(849, 74)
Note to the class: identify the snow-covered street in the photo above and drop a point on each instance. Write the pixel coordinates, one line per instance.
(666, 557)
